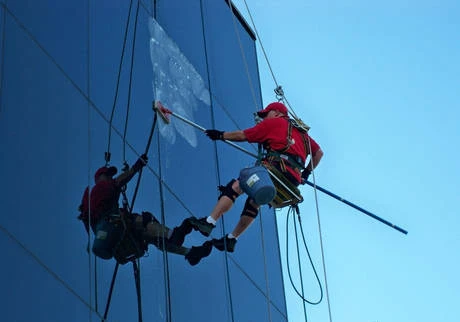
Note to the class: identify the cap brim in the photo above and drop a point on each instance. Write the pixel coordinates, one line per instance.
(262, 114)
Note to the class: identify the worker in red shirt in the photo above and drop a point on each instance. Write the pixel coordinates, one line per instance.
(101, 207)
(287, 150)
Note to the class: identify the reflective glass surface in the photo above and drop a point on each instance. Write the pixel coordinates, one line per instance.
(79, 80)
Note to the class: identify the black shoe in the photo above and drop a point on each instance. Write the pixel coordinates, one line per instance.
(225, 241)
(201, 225)
(197, 253)
(178, 235)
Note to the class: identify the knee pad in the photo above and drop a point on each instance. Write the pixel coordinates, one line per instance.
(228, 191)
(249, 210)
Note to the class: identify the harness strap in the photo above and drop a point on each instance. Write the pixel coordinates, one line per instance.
(288, 138)
(293, 160)
(281, 156)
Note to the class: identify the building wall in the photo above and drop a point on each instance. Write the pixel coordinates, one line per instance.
(60, 82)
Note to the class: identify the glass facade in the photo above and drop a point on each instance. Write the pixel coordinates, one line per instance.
(77, 79)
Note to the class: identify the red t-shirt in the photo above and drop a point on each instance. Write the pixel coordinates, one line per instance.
(273, 133)
(104, 199)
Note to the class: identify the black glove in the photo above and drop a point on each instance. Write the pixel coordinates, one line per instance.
(305, 174)
(141, 162)
(215, 134)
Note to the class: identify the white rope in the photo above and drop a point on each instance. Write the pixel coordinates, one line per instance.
(260, 43)
(265, 268)
(90, 264)
(283, 97)
(259, 39)
(320, 232)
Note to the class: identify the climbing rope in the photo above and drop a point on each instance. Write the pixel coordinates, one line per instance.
(129, 207)
(107, 154)
(216, 158)
(261, 44)
(136, 266)
(130, 84)
(89, 242)
(279, 92)
(315, 190)
(290, 211)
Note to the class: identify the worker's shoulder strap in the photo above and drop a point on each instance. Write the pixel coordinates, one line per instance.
(292, 123)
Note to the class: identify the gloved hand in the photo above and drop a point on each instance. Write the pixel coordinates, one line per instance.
(141, 162)
(305, 174)
(215, 134)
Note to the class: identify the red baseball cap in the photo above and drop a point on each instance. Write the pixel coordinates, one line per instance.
(110, 171)
(276, 106)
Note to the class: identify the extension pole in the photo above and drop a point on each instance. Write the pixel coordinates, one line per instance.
(357, 207)
(164, 112)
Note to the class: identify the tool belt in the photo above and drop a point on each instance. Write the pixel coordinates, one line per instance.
(293, 161)
(132, 245)
(117, 236)
(287, 192)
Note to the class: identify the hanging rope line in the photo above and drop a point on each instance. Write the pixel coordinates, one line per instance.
(322, 248)
(267, 288)
(299, 263)
(281, 97)
(107, 154)
(289, 213)
(216, 157)
(267, 60)
(165, 256)
(112, 284)
(136, 266)
(130, 84)
(136, 189)
(261, 44)
(315, 191)
(48, 269)
(89, 242)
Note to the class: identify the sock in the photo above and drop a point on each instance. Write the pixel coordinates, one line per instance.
(231, 236)
(211, 220)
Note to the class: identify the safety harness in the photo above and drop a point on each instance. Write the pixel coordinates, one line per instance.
(286, 192)
(131, 245)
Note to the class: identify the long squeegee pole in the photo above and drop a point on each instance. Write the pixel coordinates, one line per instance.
(203, 129)
(309, 183)
(357, 208)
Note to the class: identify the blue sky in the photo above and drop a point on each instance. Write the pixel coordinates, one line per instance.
(379, 85)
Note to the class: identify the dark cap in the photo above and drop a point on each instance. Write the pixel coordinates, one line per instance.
(110, 171)
(276, 106)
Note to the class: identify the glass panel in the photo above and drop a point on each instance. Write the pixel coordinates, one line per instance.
(44, 174)
(55, 128)
(61, 29)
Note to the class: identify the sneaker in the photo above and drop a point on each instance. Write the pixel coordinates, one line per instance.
(201, 225)
(197, 253)
(225, 241)
(178, 235)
